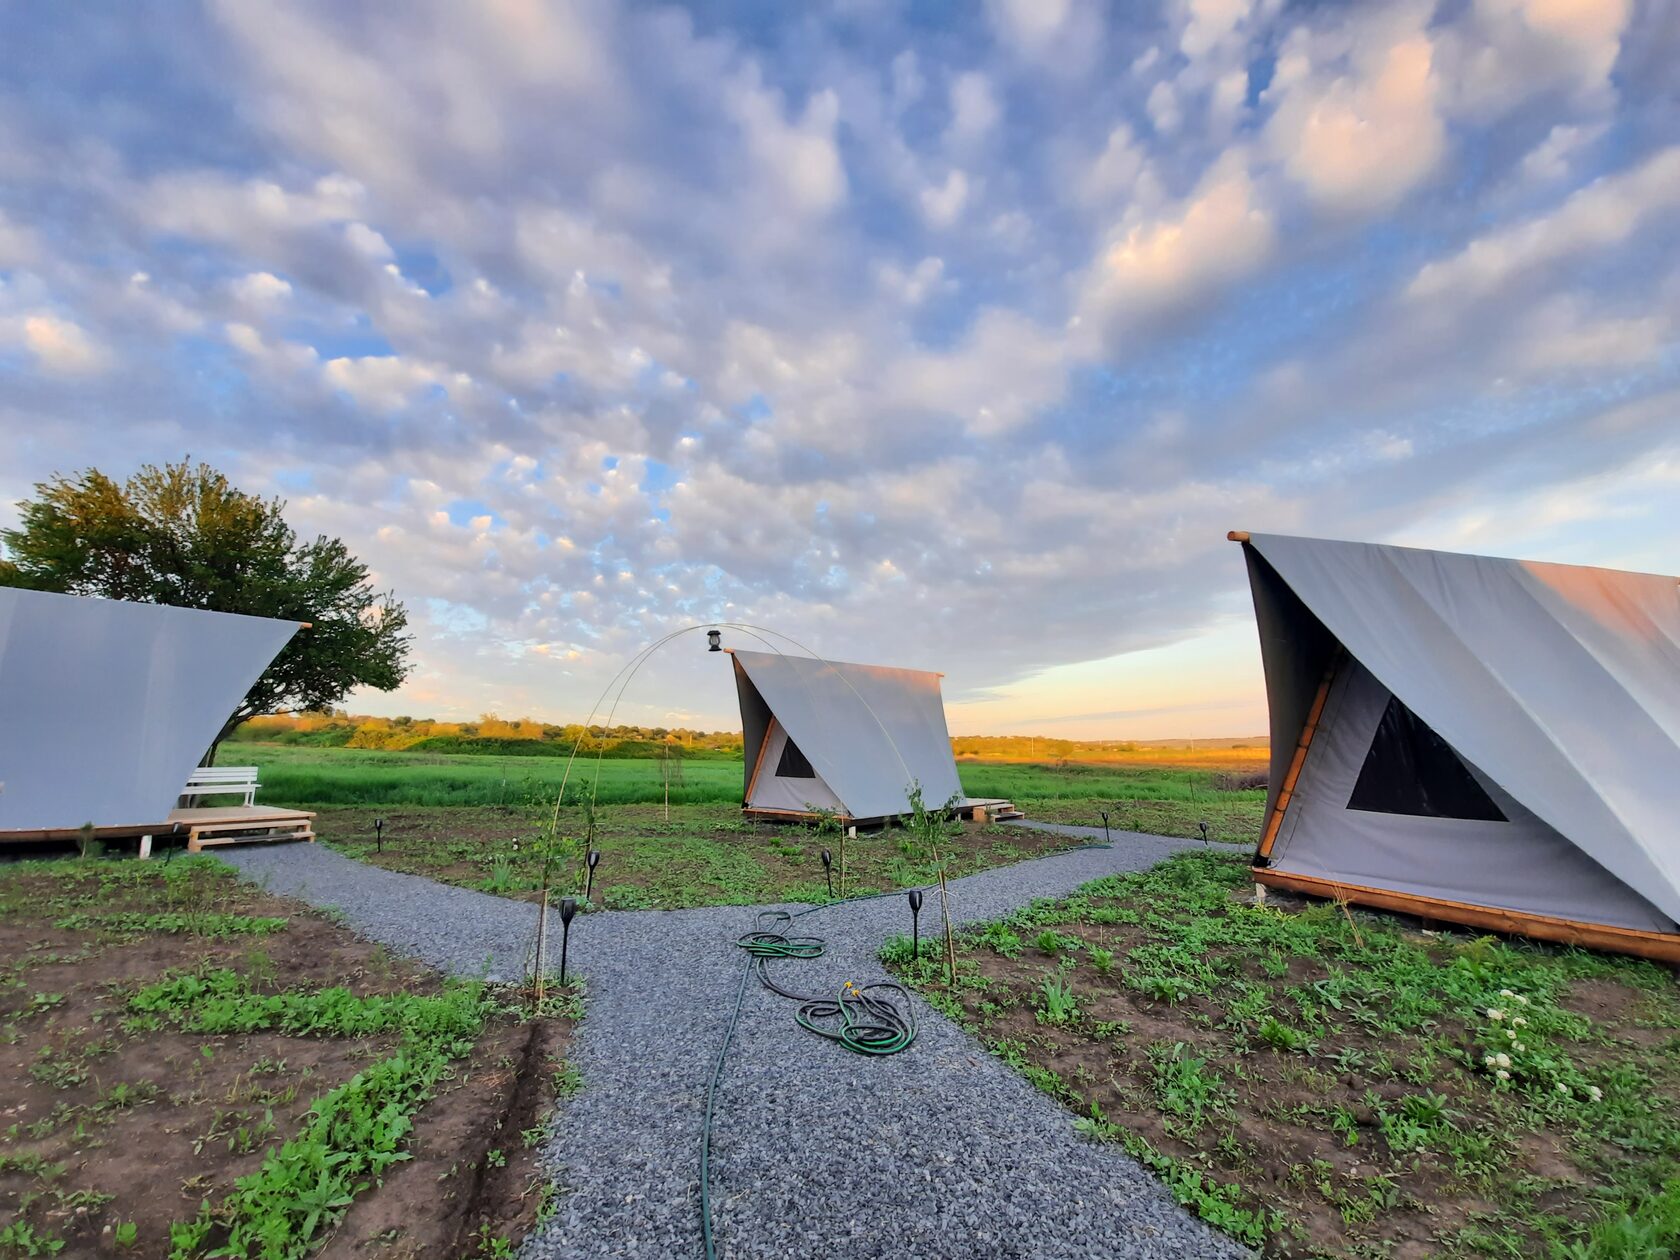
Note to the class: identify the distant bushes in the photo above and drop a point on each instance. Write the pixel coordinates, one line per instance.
(490, 735)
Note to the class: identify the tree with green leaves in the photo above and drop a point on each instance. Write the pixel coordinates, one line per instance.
(184, 535)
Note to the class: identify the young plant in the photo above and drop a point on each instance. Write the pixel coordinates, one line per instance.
(1060, 1005)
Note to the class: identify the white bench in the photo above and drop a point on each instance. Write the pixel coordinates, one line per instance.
(223, 781)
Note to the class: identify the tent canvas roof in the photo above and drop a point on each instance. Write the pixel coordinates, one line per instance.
(106, 706)
(869, 731)
(1560, 683)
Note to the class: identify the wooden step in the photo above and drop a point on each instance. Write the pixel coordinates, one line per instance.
(200, 838)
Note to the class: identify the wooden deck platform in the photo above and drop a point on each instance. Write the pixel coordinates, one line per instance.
(201, 828)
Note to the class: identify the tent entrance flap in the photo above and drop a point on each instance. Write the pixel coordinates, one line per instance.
(1383, 802)
(786, 781)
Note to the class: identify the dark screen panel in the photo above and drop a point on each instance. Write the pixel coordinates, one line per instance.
(793, 764)
(1412, 770)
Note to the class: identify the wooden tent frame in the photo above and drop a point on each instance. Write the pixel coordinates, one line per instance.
(1661, 947)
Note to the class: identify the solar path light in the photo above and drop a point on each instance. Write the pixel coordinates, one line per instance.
(379, 834)
(1103, 814)
(591, 860)
(568, 908)
(1203, 827)
(915, 895)
(828, 871)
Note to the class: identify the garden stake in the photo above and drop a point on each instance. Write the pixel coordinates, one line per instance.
(828, 872)
(1103, 814)
(915, 895)
(568, 907)
(592, 861)
(379, 834)
(1203, 826)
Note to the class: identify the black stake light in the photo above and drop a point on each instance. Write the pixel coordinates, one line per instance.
(379, 834)
(915, 895)
(1103, 814)
(1203, 826)
(828, 871)
(591, 860)
(568, 908)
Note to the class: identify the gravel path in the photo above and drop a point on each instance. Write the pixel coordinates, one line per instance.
(939, 1152)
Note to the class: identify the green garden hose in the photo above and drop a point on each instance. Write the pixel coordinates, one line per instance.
(870, 1022)
(873, 1019)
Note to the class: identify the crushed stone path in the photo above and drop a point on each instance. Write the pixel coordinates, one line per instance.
(940, 1152)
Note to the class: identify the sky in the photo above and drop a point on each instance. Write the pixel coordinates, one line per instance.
(951, 336)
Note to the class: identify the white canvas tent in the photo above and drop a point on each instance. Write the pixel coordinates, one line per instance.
(107, 706)
(1478, 740)
(848, 738)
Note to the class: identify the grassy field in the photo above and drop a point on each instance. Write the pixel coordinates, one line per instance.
(1319, 1082)
(196, 1068)
(705, 855)
(1168, 800)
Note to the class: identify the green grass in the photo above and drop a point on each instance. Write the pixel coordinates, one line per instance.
(1326, 1083)
(1168, 801)
(161, 954)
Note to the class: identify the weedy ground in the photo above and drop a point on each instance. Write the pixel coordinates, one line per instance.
(1320, 1082)
(195, 1067)
(705, 855)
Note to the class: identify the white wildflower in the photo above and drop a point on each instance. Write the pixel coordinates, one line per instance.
(1511, 1033)
(1504, 1060)
(1518, 1046)
(1519, 1022)
(1506, 993)
(1503, 1075)
(1521, 1000)
(1495, 1014)
(1487, 1059)
(1594, 1092)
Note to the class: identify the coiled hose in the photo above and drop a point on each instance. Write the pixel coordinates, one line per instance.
(869, 1021)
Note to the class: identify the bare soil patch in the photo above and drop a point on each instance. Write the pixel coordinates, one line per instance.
(117, 1124)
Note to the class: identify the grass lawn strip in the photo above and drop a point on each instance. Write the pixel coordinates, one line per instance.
(705, 855)
(1320, 1082)
(141, 1005)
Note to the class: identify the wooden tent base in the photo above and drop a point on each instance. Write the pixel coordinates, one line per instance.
(1660, 946)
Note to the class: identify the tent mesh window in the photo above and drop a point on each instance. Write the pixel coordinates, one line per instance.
(1412, 770)
(793, 764)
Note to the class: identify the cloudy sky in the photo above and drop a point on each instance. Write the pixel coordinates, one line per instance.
(952, 336)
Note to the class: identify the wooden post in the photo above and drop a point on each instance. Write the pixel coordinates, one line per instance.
(1287, 790)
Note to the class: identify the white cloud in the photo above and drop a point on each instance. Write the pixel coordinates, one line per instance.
(18, 244)
(365, 241)
(260, 287)
(1001, 376)
(1358, 137)
(1210, 23)
(1502, 53)
(59, 345)
(1168, 262)
(1603, 214)
(800, 159)
(942, 204)
(974, 109)
(1552, 158)
(387, 382)
(1163, 107)
(915, 286)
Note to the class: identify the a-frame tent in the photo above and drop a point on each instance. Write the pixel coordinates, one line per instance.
(851, 739)
(1476, 740)
(106, 706)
